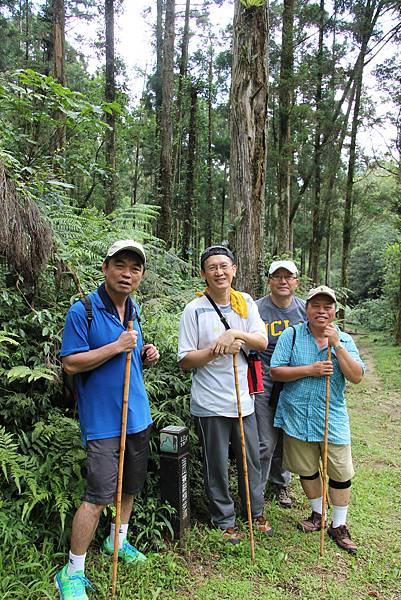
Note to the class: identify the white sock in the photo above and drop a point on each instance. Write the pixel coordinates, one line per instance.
(339, 515)
(75, 563)
(121, 537)
(316, 504)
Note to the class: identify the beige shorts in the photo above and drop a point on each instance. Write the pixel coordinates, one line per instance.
(303, 458)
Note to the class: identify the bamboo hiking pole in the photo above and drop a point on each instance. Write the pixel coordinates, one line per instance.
(325, 450)
(123, 436)
(244, 462)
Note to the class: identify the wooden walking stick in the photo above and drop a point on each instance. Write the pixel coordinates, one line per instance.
(123, 436)
(325, 450)
(244, 462)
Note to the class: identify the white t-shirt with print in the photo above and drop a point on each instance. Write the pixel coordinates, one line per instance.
(213, 386)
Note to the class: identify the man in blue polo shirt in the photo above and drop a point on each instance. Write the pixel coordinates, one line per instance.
(95, 353)
(301, 409)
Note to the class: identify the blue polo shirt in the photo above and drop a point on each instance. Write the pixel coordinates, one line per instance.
(302, 403)
(100, 392)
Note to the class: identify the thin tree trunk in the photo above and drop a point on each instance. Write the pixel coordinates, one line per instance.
(284, 141)
(398, 326)
(223, 202)
(372, 12)
(190, 184)
(248, 143)
(110, 117)
(180, 95)
(316, 228)
(166, 128)
(58, 62)
(209, 192)
(159, 64)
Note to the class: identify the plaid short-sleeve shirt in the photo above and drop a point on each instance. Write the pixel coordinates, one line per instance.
(301, 408)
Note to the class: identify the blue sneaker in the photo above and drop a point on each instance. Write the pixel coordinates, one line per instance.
(127, 553)
(72, 587)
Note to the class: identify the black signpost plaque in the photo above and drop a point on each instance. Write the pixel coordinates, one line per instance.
(174, 480)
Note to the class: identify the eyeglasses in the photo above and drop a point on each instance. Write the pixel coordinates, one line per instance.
(224, 267)
(286, 277)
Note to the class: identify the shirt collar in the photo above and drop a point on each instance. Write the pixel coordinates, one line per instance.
(130, 312)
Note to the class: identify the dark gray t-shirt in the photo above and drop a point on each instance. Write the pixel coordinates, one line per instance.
(276, 320)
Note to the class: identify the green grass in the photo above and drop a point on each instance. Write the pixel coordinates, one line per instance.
(287, 565)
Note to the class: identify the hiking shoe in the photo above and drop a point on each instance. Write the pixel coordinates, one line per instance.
(232, 535)
(282, 497)
(342, 538)
(127, 553)
(263, 525)
(313, 523)
(72, 587)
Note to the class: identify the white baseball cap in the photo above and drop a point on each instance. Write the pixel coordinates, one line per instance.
(322, 289)
(282, 264)
(130, 245)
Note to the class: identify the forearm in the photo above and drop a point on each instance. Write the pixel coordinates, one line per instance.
(350, 368)
(197, 358)
(290, 373)
(87, 361)
(254, 341)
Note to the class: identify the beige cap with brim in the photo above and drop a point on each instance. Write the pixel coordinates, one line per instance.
(129, 245)
(321, 290)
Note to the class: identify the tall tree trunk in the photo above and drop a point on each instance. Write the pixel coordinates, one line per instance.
(209, 192)
(398, 326)
(190, 176)
(248, 143)
(316, 227)
(286, 88)
(180, 95)
(166, 128)
(369, 18)
(159, 63)
(223, 202)
(58, 62)
(26, 33)
(110, 96)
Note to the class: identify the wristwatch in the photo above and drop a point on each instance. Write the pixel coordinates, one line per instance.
(338, 346)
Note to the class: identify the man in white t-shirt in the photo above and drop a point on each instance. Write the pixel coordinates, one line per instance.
(206, 347)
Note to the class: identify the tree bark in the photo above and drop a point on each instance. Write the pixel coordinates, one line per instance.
(398, 326)
(248, 143)
(110, 117)
(316, 228)
(166, 128)
(190, 175)
(58, 62)
(286, 88)
(370, 16)
(209, 192)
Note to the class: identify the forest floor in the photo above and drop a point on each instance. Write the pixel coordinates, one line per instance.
(288, 565)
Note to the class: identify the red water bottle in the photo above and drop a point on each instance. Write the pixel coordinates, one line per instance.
(255, 379)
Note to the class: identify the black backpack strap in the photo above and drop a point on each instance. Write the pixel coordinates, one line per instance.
(216, 308)
(87, 302)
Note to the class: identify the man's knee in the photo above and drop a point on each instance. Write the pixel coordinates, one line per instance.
(266, 448)
(339, 485)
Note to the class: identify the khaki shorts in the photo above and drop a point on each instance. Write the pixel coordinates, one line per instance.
(303, 458)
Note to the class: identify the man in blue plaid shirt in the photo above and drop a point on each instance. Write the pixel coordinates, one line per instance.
(301, 409)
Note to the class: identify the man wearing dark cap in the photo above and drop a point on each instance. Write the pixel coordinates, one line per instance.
(94, 351)
(205, 346)
(279, 309)
(301, 409)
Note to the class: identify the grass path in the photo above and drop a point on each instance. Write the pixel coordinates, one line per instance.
(287, 566)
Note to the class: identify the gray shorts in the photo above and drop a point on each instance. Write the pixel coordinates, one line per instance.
(102, 467)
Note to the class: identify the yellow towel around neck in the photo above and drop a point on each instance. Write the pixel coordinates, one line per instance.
(237, 301)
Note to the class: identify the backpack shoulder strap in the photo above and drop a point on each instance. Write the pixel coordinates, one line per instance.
(87, 302)
(216, 308)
